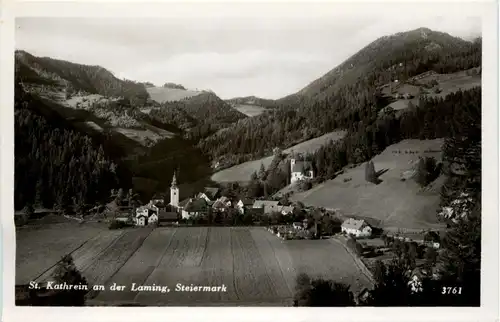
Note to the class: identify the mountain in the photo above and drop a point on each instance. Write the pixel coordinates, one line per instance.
(60, 74)
(199, 115)
(344, 96)
(418, 50)
(100, 108)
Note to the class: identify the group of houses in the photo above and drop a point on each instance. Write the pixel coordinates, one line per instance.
(208, 201)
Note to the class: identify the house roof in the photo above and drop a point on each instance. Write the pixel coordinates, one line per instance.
(219, 204)
(211, 192)
(247, 201)
(184, 202)
(197, 205)
(353, 223)
(265, 203)
(301, 166)
(224, 199)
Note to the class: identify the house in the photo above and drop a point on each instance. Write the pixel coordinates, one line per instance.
(363, 295)
(146, 215)
(244, 204)
(195, 207)
(222, 204)
(157, 199)
(269, 206)
(209, 194)
(287, 210)
(300, 170)
(358, 228)
(141, 220)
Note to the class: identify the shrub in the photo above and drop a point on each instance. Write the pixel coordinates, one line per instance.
(428, 169)
(115, 224)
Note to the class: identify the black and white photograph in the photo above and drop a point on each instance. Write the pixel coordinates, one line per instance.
(284, 155)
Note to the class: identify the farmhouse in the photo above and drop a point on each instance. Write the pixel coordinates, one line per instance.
(300, 170)
(195, 207)
(243, 204)
(269, 206)
(145, 216)
(222, 204)
(358, 228)
(209, 194)
(287, 210)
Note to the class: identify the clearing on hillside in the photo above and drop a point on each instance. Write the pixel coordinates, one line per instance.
(243, 172)
(163, 94)
(395, 202)
(432, 84)
(249, 110)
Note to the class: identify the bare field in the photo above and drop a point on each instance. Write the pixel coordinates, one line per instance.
(40, 248)
(396, 203)
(256, 267)
(249, 110)
(242, 172)
(162, 94)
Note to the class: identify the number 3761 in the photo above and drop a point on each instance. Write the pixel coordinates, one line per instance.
(451, 290)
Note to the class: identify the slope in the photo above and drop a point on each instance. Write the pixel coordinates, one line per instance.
(395, 202)
(346, 94)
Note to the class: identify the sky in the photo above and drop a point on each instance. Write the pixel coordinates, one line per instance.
(267, 55)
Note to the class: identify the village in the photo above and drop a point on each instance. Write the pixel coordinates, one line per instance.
(362, 237)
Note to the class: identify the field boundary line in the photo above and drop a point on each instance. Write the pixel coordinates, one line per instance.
(54, 265)
(232, 255)
(158, 262)
(362, 267)
(206, 245)
(279, 263)
(102, 251)
(125, 261)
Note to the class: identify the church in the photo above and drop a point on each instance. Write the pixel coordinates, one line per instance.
(300, 170)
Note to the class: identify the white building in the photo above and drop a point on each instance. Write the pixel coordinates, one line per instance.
(244, 204)
(300, 170)
(174, 193)
(358, 228)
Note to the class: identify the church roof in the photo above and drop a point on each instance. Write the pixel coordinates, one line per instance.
(301, 166)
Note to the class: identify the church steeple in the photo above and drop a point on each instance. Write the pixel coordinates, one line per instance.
(174, 192)
(174, 181)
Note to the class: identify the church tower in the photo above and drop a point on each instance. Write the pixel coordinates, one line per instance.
(174, 193)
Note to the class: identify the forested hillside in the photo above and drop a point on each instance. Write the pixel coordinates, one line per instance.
(76, 77)
(346, 95)
(56, 165)
(199, 115)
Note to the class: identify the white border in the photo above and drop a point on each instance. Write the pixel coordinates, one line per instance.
(488, 311)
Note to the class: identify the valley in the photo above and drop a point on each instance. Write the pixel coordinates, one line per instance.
(160, 185)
